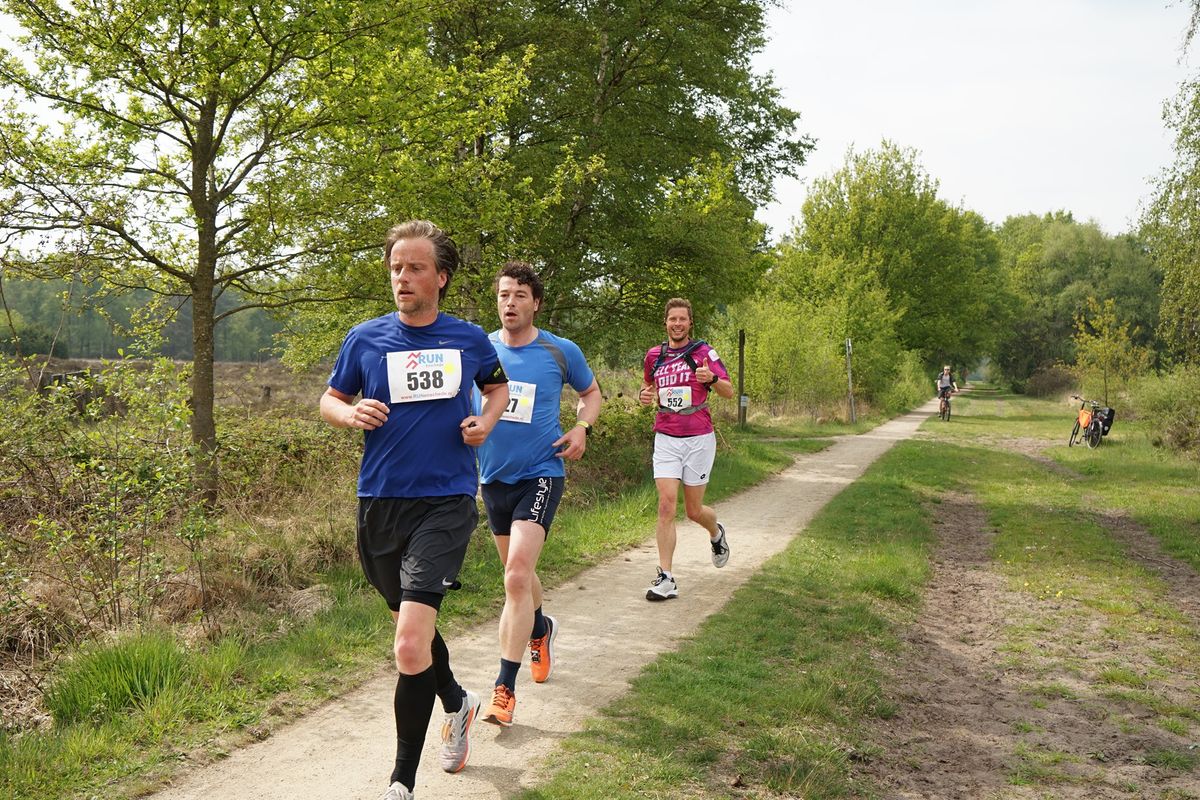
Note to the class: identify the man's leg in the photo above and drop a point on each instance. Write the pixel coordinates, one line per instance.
(415, 687)
(664, 532)
(519, 552)
(697, 512)
(522, 589)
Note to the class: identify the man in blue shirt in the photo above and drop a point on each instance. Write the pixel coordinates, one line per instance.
(521, 469)
(416, 486)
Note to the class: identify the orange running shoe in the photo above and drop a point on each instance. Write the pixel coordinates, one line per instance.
(504, 703)
(541, 652)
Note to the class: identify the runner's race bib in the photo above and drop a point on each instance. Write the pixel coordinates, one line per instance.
(520, 402)
(416, 375)
(675, 398)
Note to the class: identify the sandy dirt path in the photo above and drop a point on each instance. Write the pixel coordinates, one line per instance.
(345, 749)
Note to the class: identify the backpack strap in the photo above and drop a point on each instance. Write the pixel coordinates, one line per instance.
(686, 355)
(556, 353)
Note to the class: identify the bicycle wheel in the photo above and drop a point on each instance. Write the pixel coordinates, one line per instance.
(1074, 433)
(1093, 435)
(947, 417)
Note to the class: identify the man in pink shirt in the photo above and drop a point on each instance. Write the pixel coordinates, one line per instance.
(677, 377)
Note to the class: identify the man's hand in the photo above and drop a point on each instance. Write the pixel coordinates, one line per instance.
(704, 373)
(475, 430)
(646, 396)
(575, 441)
(366, 414)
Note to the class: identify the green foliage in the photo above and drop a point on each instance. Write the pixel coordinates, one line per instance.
(267, 457)
(627, 166)
(793, 358)
(218, 147)
(877, 224)
(96, 475)
(1172, 225)
(1169, 404)
(104, 680)
(1105, 354)
(617, 457)
(1051, 266)
(909, 386)
(1049, 381)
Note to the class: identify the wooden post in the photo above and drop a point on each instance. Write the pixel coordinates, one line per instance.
(850, 382)
(743, 401)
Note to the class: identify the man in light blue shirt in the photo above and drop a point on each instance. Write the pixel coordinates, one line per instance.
(522, 471)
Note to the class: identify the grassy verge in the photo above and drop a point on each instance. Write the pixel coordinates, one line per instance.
(116, 738)
(776, 694)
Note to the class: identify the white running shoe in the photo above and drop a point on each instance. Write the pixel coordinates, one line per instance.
(397, 791)
(663, 588)
(720, 547)
(456, 734)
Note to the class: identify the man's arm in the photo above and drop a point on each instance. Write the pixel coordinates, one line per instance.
(339, 410)
(722, 386)
(586, 410)
(475, 428)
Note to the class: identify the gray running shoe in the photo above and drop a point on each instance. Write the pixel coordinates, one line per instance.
(397, 792)
(663, 588)
(720, 547)
(456, 734)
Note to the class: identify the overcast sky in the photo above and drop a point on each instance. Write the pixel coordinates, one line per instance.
(1015, 106)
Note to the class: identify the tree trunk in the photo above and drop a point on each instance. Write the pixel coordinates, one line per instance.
(204, 428)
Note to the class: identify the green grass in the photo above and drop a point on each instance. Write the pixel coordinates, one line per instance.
(784, 706)
(793, 704)
(128, 714)
(790, 709)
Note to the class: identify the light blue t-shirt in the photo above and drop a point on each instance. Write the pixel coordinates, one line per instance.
(418, 451)
(521, 444)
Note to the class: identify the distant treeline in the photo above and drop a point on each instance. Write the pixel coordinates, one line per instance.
(50, 317)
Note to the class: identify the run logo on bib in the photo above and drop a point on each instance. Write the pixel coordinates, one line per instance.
(520, 402)
(416, 375)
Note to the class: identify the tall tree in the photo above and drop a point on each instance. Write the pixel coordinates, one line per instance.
(879, 217)
(645, 140)
(1172, 227)
(206, 146)
(1052, 265)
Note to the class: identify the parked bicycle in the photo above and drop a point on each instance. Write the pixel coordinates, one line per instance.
(944, 405)
(1092, 423)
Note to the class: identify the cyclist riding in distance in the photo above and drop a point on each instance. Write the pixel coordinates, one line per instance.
(945, 383)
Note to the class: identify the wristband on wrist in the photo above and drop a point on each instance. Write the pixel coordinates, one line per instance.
(587, 427)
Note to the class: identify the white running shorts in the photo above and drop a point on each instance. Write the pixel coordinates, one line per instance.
(687, 458)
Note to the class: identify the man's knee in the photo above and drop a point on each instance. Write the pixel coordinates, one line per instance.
(412, 653)
(518, 578)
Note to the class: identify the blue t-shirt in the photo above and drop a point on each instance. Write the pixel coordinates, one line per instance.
(521, 444)
(424, 376)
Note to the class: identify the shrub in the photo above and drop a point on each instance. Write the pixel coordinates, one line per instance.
(618, 453)
(910, 385)
(105, 680)
(1049, 381)
(1168, 403)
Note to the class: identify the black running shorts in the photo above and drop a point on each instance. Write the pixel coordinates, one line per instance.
(533, 499)
(413, 548)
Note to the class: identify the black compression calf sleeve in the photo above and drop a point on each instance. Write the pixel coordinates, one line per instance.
(414, 707)
(448, 689)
